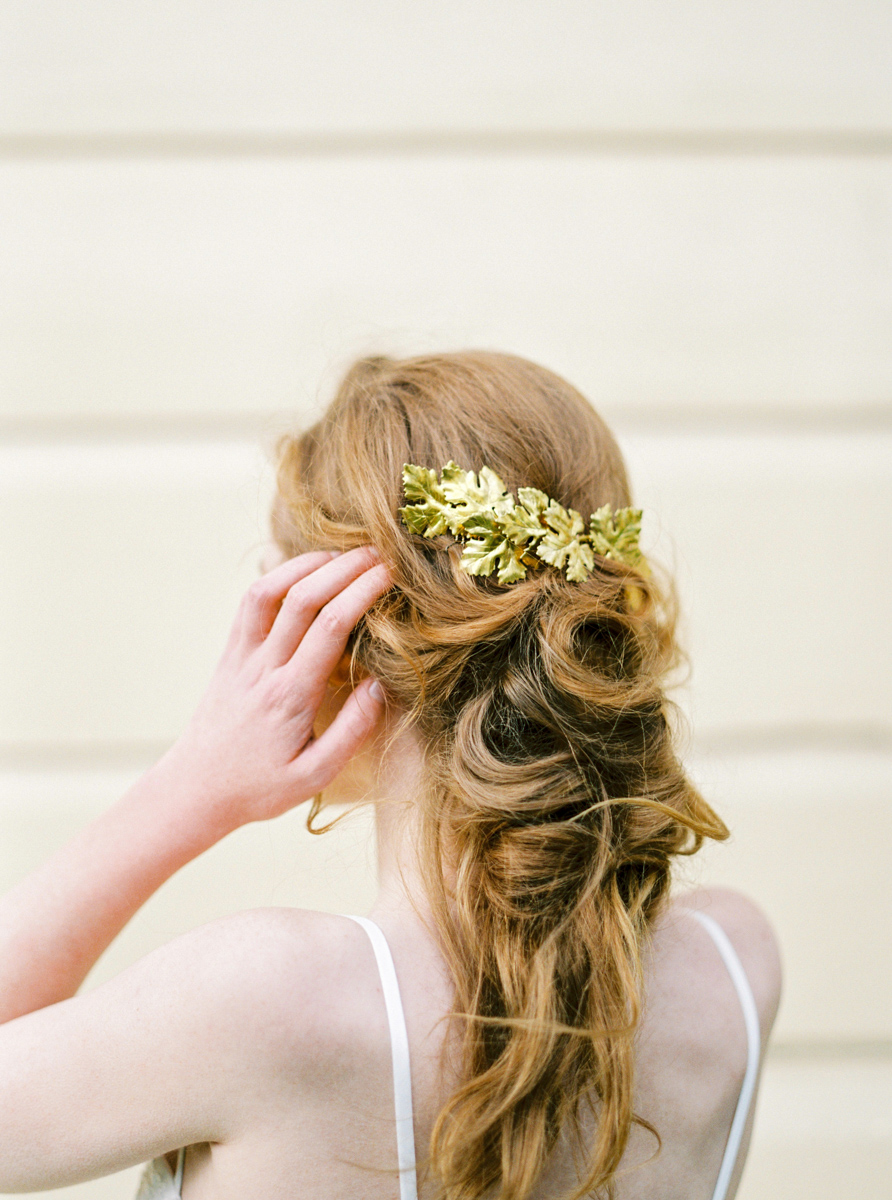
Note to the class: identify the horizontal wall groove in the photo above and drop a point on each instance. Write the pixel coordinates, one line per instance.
(137, 428)
(816, 1050)
(141, 753)
(775, 738)
(359, 143)
(32, 758)
(801, 417)
(632, 418)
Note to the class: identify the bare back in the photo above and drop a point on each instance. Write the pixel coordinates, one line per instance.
(322, 1124)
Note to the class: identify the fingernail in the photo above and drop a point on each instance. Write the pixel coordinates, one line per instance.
(376, 691)
(335, 553)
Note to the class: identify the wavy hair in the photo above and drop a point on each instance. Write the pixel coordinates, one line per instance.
(552, 787)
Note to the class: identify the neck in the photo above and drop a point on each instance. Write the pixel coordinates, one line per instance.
(397, 785)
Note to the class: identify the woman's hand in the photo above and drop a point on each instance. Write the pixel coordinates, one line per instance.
(249, 752)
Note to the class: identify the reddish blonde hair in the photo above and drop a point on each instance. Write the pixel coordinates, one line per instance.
(553, 789)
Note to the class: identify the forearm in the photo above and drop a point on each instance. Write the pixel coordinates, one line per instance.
(56, 922)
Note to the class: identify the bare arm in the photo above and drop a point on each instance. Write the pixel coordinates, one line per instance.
(92, 1084)
(248, 754)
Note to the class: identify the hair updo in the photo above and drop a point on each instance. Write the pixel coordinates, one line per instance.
(553, 790)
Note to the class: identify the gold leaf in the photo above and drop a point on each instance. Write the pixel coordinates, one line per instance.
(522, 526)
(615, 534)
(424, 520)
(504, 535)
(512, 569)
(420, 483)
(471, 495)
(580, 561)
(559, 550)
(481, 556)
(533, 500)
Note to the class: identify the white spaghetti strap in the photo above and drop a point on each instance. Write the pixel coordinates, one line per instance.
(399, 1049)
(753, 1047)
(178, 1177)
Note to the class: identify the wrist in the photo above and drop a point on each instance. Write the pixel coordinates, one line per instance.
(179, 806)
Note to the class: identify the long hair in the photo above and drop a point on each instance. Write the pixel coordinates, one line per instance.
(551, 787)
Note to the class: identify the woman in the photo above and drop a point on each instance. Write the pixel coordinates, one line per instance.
(489, 678)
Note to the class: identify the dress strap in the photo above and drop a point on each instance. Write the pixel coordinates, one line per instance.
(399, 1049)
(178, 1177)
(753, 1047)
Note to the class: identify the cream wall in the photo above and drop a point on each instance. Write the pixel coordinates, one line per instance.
(687, 209)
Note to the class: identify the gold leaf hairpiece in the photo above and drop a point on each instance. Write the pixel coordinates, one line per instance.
(508, 536)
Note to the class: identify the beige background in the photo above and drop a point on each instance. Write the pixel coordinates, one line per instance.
(207, 209)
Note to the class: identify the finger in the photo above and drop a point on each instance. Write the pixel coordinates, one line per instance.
(327, 755)
(263, 598)
(315, 659)
(307, 597)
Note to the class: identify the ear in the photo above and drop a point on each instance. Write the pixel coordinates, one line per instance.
(340, 676)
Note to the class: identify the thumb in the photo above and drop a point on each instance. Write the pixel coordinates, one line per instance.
(328, 754)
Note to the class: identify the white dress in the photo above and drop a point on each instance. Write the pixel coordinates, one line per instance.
(159, 1182)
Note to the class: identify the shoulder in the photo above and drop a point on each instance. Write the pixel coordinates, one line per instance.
(750, 933)
(228, 1020)
(284, 955)
(277, 984)
(693, 1040)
